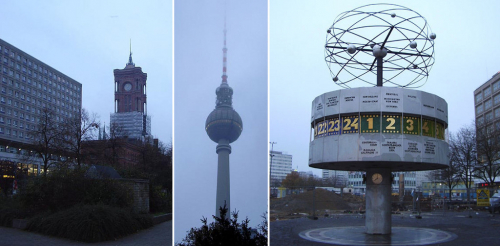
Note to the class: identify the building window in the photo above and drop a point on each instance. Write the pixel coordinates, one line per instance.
(479, 97)
(487, 104)
(489, 117)
(487, 92)
(479, 109)
(497, 113)
(496, 99)
(496, 86)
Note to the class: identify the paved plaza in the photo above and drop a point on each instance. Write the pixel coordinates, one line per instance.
(160, 234)
(456, 228)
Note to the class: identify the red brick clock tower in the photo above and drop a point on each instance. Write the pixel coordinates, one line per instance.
(130, 112)
(130, 88)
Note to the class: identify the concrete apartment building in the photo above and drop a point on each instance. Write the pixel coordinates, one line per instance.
(487, 106)
(281, 165)
(27, 86)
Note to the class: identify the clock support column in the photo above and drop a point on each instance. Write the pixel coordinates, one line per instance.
(378, 201)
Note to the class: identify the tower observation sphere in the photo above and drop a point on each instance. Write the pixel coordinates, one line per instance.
(224, 122)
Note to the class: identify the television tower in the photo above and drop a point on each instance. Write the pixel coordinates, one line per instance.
(223, 126)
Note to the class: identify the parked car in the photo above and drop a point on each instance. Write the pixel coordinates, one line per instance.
(495, 203)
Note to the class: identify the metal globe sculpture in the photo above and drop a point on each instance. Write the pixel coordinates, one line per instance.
(404, 34)
(382, 129)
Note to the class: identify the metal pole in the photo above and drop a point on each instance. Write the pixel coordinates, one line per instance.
(271, 155)
(314, 204)
(380, 69)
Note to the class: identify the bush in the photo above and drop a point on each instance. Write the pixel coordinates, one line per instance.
(90, 223)
(159, 200)
(7, 215)
(10, 209)
(64, 189)
(226, 231)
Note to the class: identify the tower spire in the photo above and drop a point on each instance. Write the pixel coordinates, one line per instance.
(130, 62)
(224, 51)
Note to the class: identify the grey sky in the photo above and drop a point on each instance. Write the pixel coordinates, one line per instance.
(86, 40)
(198, 69)
(466, 57)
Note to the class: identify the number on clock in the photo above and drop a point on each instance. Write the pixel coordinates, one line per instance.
(333, 127)
(440, 130)
(411, 125)
(391, 124)
(370, 123)
(350, 124)
(428, 128)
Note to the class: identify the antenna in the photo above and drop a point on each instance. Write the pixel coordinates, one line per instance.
(224, 50)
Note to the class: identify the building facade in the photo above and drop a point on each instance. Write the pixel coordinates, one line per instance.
(487, 101)
(130, 117)
(487, 107)
(356, 184)
(281, 166)
(28, 87)
(339, 178)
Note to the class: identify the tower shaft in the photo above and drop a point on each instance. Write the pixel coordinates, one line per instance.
(223, 181)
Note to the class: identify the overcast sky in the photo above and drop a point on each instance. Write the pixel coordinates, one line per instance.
(86, 40)
(198, 69)
(466, 56)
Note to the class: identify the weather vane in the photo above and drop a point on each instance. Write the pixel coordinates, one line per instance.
(375, 39)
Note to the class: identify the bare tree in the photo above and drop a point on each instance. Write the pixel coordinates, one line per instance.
(77, 130)
(45, 138)
(434, 176)
(113, 143)
(488, 153)
(463, 154)
(450, 176)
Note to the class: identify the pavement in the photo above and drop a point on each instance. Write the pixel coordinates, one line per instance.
(482, 229)
(160, 234)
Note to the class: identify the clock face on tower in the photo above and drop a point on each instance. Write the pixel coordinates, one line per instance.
(377, 178)
(127, 86)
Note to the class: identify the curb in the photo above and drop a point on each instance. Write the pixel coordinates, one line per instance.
(161, 218)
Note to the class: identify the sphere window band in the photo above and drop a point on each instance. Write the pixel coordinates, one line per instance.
(389, 123)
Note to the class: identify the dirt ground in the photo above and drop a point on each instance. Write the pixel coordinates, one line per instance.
(321, 201)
